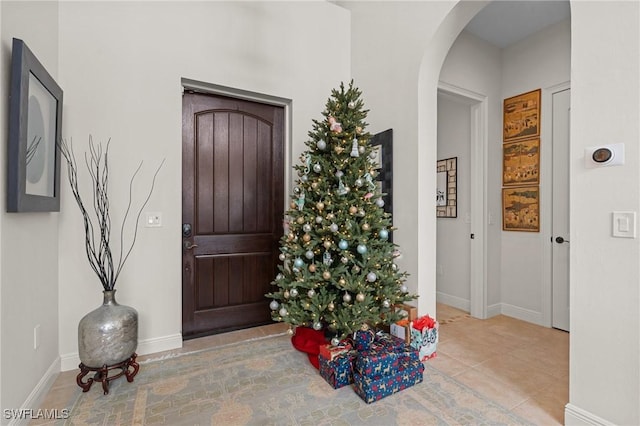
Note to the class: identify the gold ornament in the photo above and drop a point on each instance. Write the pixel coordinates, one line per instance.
(326, 275)
(327, 244)
(365, 227)
(353, 209)
(314, 185)
(290, 236)
(320, 205)
(331, 306)
(360, 297)
(312, 268)
(330, 216)
(342, 282)
(306, 238)
(292, 205)
(300, 220)
(338, 149)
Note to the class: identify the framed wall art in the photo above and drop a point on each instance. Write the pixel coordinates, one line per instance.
(447, 187)
(521, 162)
(35, 122)
(521, 209)
(522, 116)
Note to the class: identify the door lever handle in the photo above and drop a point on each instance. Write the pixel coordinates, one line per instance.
(189, 246)
(561, 240)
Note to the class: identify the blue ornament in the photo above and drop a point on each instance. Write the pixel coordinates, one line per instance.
(343, 245)
(384, 234)
(298, 262)
(362, 249)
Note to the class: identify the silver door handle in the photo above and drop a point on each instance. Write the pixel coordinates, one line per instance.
(189, 246)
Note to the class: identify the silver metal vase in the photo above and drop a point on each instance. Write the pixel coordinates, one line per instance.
(108, 335)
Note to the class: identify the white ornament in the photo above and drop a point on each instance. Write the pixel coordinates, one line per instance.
(321, 144)
(333, 227)
(311, 293)
(346, 297)
(283, 312)
(380, 202)
(281, 256)
(354, 148)
(403, 288)
(371, 277)
(274, 305)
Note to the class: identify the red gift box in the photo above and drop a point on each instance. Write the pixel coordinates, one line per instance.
(330, 352)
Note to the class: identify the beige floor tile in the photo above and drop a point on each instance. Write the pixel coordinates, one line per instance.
(448, 365)
(514, 372)
(506, 395)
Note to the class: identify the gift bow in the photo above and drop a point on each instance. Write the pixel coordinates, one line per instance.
(425, 322)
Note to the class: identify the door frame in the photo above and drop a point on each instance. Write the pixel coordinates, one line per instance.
(215, 89)
(546, 186)
(478, 151)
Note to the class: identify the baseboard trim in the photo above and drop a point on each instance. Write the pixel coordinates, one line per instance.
(454, 301)
(576, 416)
(35, 398)
(494, 310)
(71, 361)
(522, 314)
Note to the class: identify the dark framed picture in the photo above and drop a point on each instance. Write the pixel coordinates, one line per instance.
(382, 144)
(447, 188)
(521, 162)
(35, 127)
(521, 209)
(522, 116)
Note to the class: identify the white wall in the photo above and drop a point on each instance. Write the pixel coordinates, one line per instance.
(121, 64)
(453, 255)
(475, 65)
(605, 271)
(28, 241)
(540, 61)
(388, 44)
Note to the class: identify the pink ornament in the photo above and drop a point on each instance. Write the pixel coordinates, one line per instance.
(334, 126)
(368, 195)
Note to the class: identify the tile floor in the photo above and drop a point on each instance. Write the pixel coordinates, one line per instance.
(522, 366)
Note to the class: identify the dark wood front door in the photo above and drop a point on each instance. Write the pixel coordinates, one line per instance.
(232, 206)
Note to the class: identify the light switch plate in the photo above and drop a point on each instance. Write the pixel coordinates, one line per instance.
(153, 220)
(624, 224)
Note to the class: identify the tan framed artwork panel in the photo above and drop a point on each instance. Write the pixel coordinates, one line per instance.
(521, 162)
(521, 209)
(521, 117)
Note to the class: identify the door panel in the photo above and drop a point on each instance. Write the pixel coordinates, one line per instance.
(233, 196)
(560, 210)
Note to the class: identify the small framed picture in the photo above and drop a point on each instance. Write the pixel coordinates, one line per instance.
(521, 209)
(522, 116)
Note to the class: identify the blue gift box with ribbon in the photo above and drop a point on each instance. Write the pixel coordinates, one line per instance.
(338, 372)
(373, 388)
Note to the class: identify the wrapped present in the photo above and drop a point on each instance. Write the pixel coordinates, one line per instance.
(330, 352)
(401, 329)
(338, 372)
(371, 389)
(362, 339)
(384, 356)
(424, 336)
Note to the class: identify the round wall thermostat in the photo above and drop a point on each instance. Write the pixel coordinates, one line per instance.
(602, 155)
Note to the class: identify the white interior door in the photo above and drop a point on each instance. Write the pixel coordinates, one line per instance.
(560, 205)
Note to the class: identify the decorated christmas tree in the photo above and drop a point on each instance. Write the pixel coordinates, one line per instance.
(338, 271)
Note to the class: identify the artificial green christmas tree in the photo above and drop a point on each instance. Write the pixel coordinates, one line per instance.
(338, 271)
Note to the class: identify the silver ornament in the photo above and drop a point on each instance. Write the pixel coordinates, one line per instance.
(380, 202)
(283, 312)
(344, 260)
(386, 303)
(358, 182)
(304, 178)
(317, 325)
(318, 219)
(339, 174)
(371, 277)
(281, 256)
(403, 288)
(306, 227)
(333, 227)
(335, 341)
(351, 105)
(274, 305)
(317, 168)
(346, 297)
(361, 149)
(309, 254)
(311, 293)
(321, 144)
(293, 292)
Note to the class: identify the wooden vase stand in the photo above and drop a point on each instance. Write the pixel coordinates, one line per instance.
(102, 373)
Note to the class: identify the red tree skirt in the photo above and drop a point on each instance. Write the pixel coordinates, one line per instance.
(308, 340)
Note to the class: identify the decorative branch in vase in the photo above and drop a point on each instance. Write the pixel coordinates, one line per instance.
(99, 250)
(108, 335)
